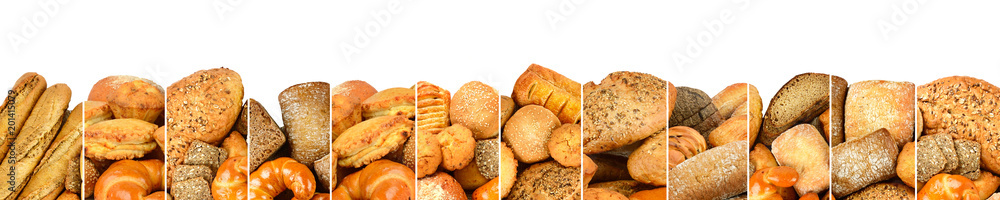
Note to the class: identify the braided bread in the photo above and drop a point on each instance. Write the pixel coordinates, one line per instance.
(382, 179)
(130, 179)
(231, 180)
(275, 176)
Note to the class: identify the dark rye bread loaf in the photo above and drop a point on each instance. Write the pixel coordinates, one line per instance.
(801, 99)
(263, 134)
(694, 109)
(838, 96)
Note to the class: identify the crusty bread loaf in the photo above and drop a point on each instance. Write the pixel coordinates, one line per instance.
(965, 108)
(694, 108)
(718, 173)
(800, 100)
(47, 178)
(863, 161)
(876, 104)
(31, 143)
(838, 96)
(542, 86)
(305, 110)
(264, 137)
(26, 92)
(626, 107)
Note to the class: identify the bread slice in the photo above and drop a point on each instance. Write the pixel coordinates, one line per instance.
(801, 99)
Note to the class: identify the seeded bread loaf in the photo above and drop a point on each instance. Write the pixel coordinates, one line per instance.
(626, 107)
(965, 108)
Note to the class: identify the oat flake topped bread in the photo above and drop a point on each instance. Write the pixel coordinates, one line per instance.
(966, 108)
(626, 107)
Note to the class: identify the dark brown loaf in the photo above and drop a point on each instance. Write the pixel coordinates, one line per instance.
(26, 92)
(31, 143)
(626, 107)
(542, 86)
(800, 100)
(305, 110)
(718, 173)
(264, 137)
(863, 161)
(838, 96)
(695, 109)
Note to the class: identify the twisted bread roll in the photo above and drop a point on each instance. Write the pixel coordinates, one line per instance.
(275, 176)
(130, 179)
(381, 179)
(231, 181)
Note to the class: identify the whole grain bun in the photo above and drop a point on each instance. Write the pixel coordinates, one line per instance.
(876, 104)
(202, 106)
(476, 106)
(528, 131)
(695, 109)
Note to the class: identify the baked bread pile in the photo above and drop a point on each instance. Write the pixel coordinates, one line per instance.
(625, 137)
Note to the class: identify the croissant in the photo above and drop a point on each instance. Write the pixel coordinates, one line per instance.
(382, 179)
(231, 181)
(130, 179)
(275, 176)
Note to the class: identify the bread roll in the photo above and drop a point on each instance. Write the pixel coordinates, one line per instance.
(120, 139)
(906, 163)
(108, 85)
(344, 112)
(305, 110)
(137, 99)
(439, 186)
(564, 145)
(354, 88)
(32, 142)
(718, 173)
(965, 108)
(25, 94)
(476, 106)
(469, 177)
(264, 137)
(457, 147)
(507, 170)
(542, 86)
(372, 139)
(429, 155)
(626, 107)
(507, 108)
(648, 163)
(528, 131)
(863, 161)
(235, 145)
(733, 129)
(801, 99)
(392, 101)
(876, 104)
(488, 160)
(803, 148)
(987, 183)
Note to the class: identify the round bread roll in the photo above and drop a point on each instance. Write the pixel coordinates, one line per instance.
(487, 159)
(109, 84)
(906, 163)
(137, 99)
(602, 194)
(476, 106)
(428, 154)
(457, 147)
(508, 170)
(354, 88)
(440, 186)
(564, 145)
(204, 105)
(528, 131)
(648, 163)
(469, 177)
(507, 108)
(658, 193)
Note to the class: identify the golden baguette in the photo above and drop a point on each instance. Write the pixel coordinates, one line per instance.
(29, 147)
(20, 99)
(48, 177)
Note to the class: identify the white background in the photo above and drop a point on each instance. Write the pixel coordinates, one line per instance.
(274, 45)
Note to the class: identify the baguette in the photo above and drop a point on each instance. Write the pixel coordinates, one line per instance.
(863, 161)
(29, 147)
(718, 173)
(20, 100)
(47, 180)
